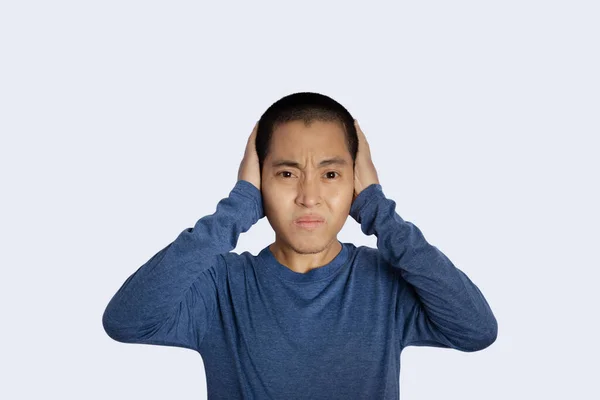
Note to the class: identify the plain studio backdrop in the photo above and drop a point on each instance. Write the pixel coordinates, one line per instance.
(124, 122)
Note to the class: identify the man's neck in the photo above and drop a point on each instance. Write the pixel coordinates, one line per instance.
(302, 262)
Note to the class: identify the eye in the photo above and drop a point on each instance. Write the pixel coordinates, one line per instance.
(284, 172)
(335, 174)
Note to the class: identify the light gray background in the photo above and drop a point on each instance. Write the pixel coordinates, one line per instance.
(123, 122)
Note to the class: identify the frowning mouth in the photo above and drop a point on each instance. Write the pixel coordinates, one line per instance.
(309, 221)
(309, 218)
(306, 224)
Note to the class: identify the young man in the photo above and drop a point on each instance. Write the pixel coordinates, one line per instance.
(309, 317)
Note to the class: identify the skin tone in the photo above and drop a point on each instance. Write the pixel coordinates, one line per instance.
(308, 170)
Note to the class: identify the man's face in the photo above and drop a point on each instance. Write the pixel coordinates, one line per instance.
(306, 187)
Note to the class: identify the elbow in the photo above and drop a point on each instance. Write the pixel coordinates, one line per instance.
(115, 330)
(483, 343)
(109, 325)
(484, 340)
(493, 332)
(130, 332)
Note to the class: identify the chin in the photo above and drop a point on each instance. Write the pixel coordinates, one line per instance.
(309, 245)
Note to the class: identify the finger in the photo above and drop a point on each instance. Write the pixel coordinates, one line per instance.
(253, 133)
(361, 135)
(358, 130)
(252, 139)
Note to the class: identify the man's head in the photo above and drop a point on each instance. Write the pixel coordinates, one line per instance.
(306, 145)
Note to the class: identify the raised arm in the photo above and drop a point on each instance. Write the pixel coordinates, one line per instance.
(171, 298)
(438, 305)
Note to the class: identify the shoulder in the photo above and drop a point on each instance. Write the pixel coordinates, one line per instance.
(236, 264)
(372, 259)
(360, 255)
(364, 252)
(232, 258)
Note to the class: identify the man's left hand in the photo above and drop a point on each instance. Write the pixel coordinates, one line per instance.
(365, 173)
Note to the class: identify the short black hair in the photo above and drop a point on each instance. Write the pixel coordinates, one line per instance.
(306, 107)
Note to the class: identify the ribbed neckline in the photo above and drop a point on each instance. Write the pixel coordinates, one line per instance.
(274, 267)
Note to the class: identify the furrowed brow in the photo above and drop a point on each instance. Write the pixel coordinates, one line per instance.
(294, 164)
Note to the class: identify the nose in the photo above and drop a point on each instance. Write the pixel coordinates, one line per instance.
(309, 192)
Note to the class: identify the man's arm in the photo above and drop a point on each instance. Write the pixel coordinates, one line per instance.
(438, 305)
(170, 299)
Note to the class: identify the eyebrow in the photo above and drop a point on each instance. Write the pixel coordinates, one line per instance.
(294, 164)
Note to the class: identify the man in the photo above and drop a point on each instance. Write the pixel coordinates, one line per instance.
(309, 317)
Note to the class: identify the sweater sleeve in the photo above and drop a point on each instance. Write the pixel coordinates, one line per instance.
(437, 304)
(170, 299)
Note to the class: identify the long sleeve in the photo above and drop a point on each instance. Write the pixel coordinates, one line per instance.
(170, 299)
(438, 305)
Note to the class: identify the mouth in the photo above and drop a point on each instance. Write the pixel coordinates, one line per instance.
(307, 224)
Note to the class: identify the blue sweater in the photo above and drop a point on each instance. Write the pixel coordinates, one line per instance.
(334, 332)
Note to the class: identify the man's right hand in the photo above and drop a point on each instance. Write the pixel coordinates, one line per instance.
(249, 167)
